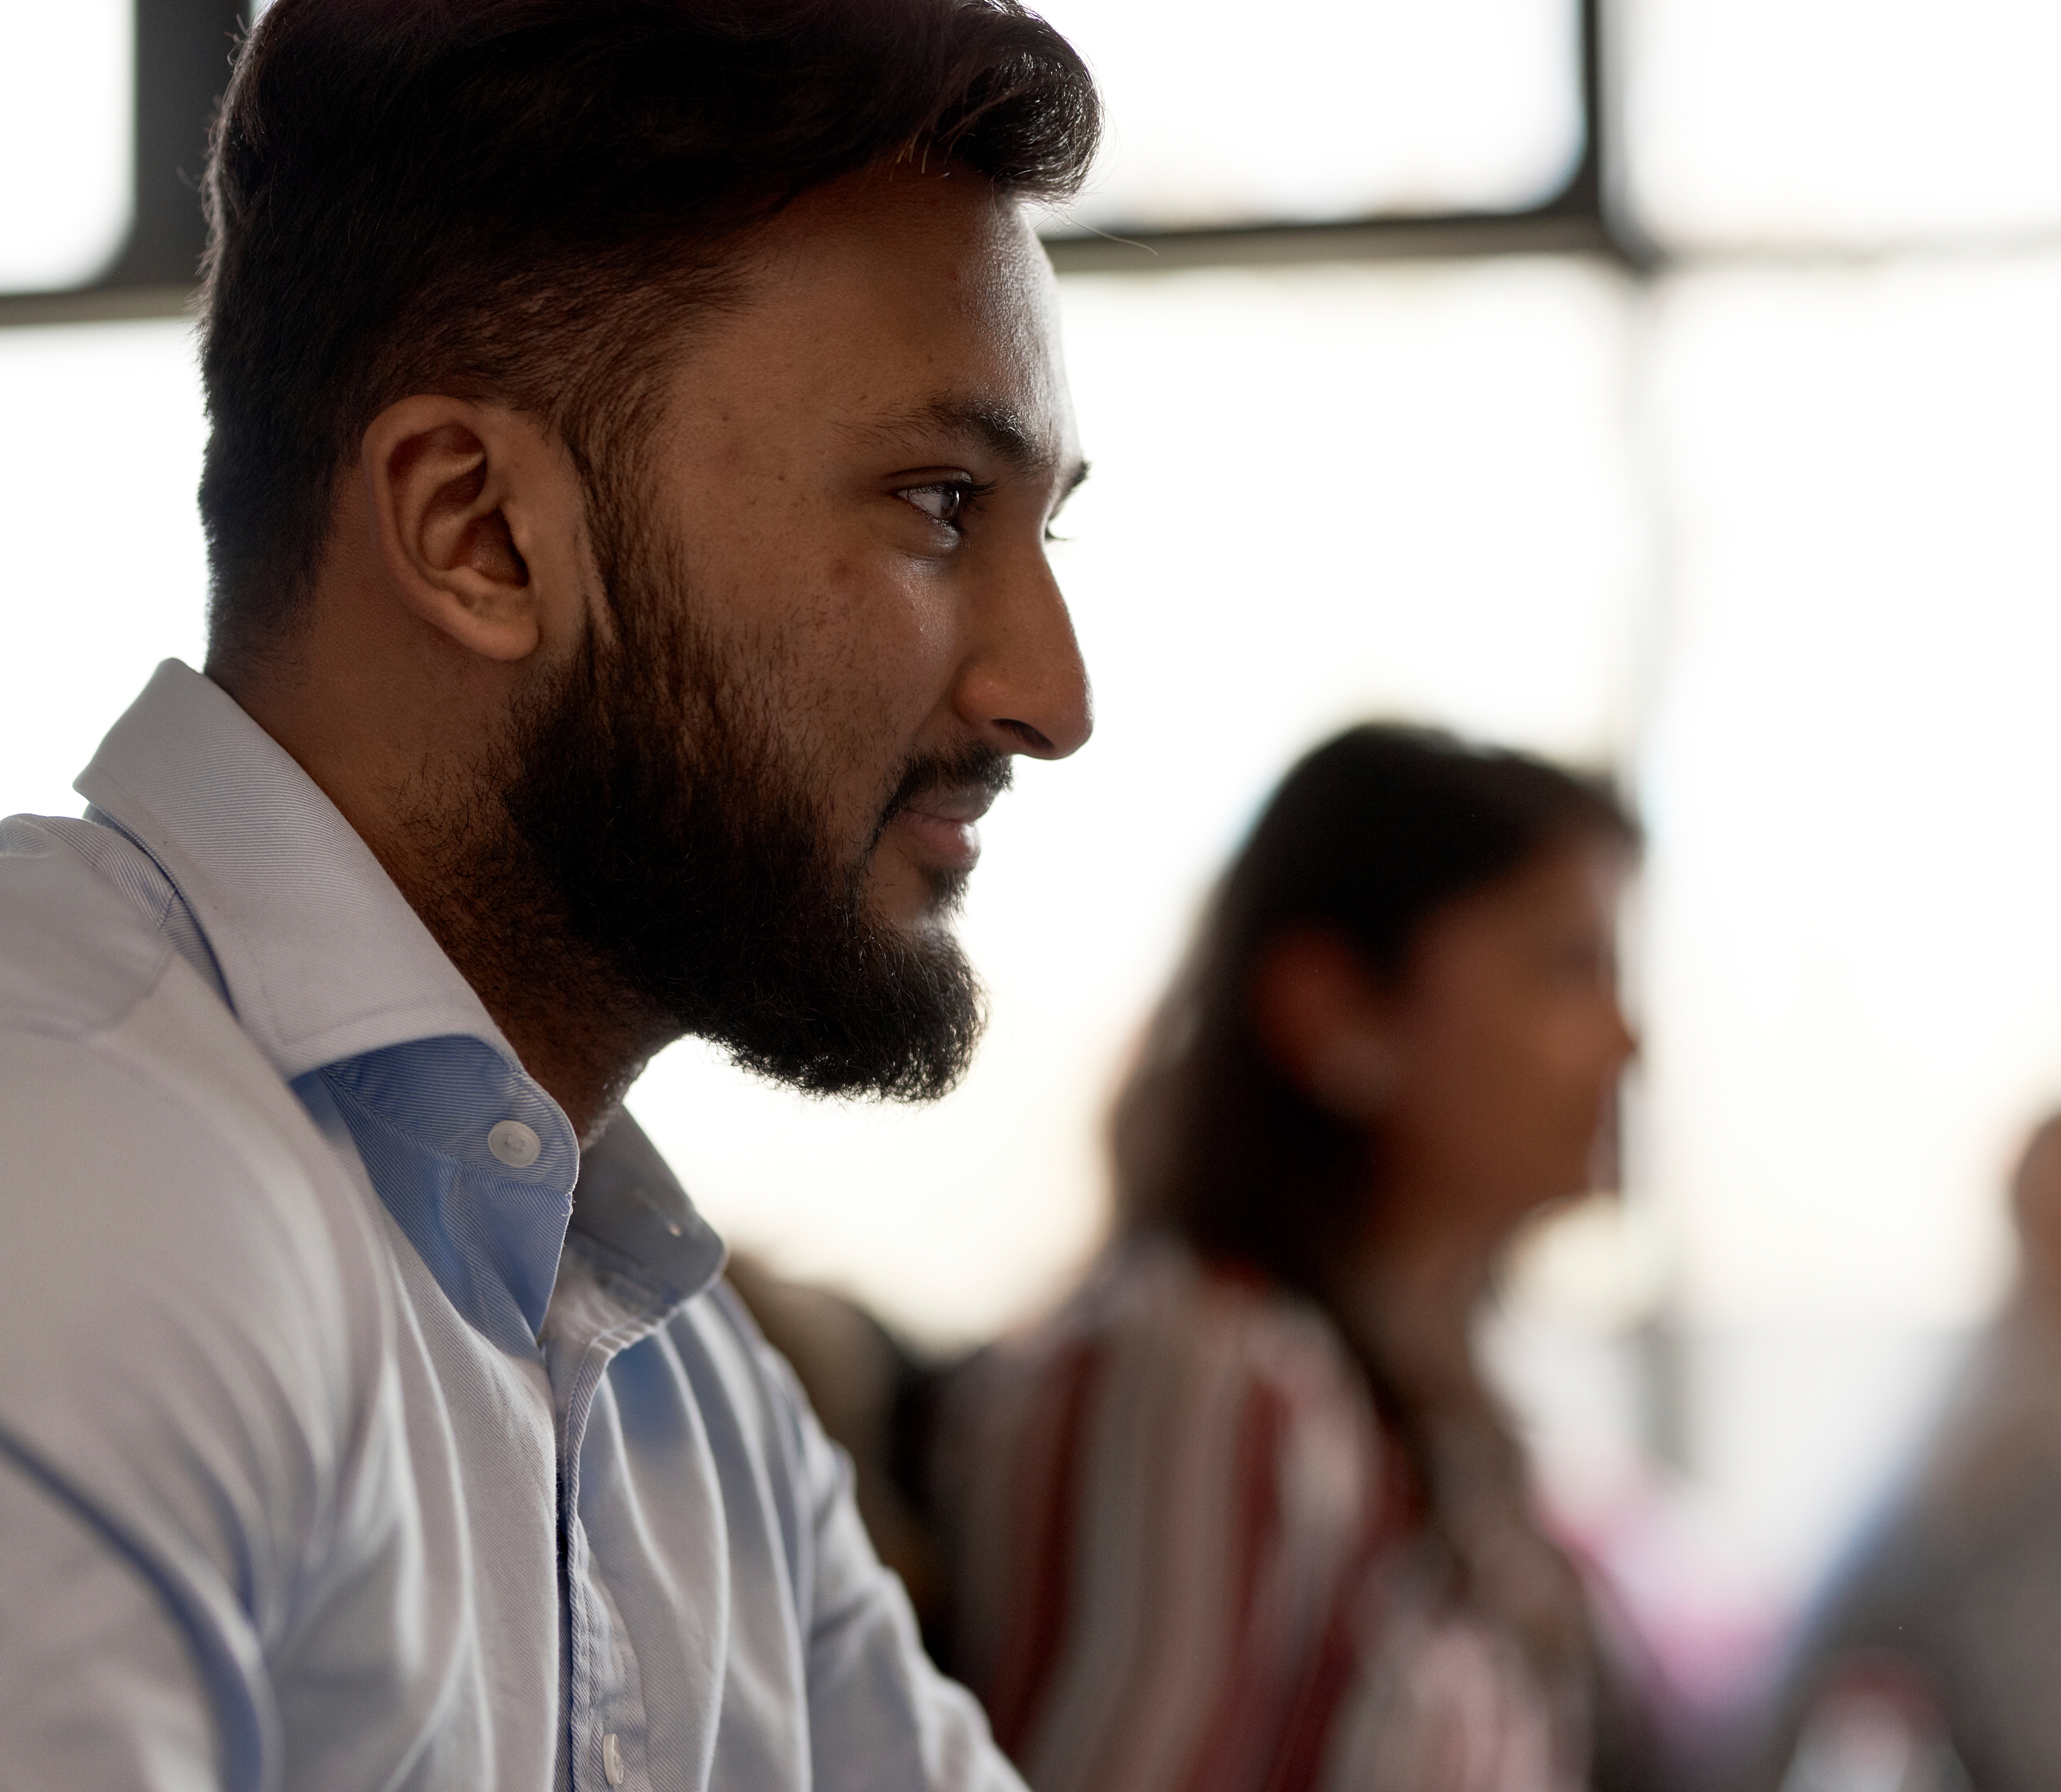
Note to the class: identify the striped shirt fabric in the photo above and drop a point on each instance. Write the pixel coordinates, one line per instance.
(1184, 1558)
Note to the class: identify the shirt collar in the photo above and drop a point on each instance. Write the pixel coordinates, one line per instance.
(322, 956)
(638, 1219)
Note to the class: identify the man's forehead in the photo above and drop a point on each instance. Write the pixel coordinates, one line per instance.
(944, 269)
(923, 312)
(882, 225)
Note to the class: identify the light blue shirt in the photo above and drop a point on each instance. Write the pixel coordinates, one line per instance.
(342, 1444)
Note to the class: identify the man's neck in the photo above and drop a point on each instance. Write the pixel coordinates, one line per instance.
(576, 1023)
(440, 832)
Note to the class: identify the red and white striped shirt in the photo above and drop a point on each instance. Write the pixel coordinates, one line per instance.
(1184, 1558)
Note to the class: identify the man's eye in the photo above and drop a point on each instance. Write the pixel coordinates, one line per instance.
(941, 503)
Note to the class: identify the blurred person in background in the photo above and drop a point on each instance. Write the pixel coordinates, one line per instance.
(1933, 1661)
(1243, 1515)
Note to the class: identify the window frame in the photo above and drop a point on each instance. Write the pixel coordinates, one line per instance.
(182, 53)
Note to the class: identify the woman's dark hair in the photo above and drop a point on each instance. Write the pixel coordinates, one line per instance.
(1367, 837)
(526, 200)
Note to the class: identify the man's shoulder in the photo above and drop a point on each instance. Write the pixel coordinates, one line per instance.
(76, 954)
(154, 1155)
(194, 1308)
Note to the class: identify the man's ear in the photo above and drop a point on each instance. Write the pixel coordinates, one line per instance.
(467, 502)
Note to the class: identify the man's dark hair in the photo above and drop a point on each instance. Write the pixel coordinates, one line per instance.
(527, 200)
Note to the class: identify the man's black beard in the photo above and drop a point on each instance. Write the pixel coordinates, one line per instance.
(675, 842)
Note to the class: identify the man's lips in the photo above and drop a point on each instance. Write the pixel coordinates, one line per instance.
(944, 824)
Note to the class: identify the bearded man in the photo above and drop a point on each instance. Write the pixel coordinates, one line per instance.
(635, 425)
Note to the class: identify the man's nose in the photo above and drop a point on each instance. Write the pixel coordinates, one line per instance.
(1025, 686)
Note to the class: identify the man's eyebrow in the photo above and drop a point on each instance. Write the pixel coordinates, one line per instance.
(997, 427)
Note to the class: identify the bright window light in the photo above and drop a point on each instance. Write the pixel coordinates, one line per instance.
(1855, 974)
(66, 141)
(1860, 123)
(1217, 115)
(106, 569)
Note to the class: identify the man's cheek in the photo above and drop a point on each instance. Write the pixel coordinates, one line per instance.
(889, 703)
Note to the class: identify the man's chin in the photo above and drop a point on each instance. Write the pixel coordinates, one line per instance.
(947, 892)
(898, 1021)
(918, 902)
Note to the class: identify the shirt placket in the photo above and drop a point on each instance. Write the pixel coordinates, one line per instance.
(585, 1330)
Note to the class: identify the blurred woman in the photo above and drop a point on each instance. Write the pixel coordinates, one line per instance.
(1243, 1515)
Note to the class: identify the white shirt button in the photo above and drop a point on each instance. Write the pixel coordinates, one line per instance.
(517, 1147)
(611, 1759)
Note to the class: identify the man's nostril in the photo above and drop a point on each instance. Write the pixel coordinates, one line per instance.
(1034, 741)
